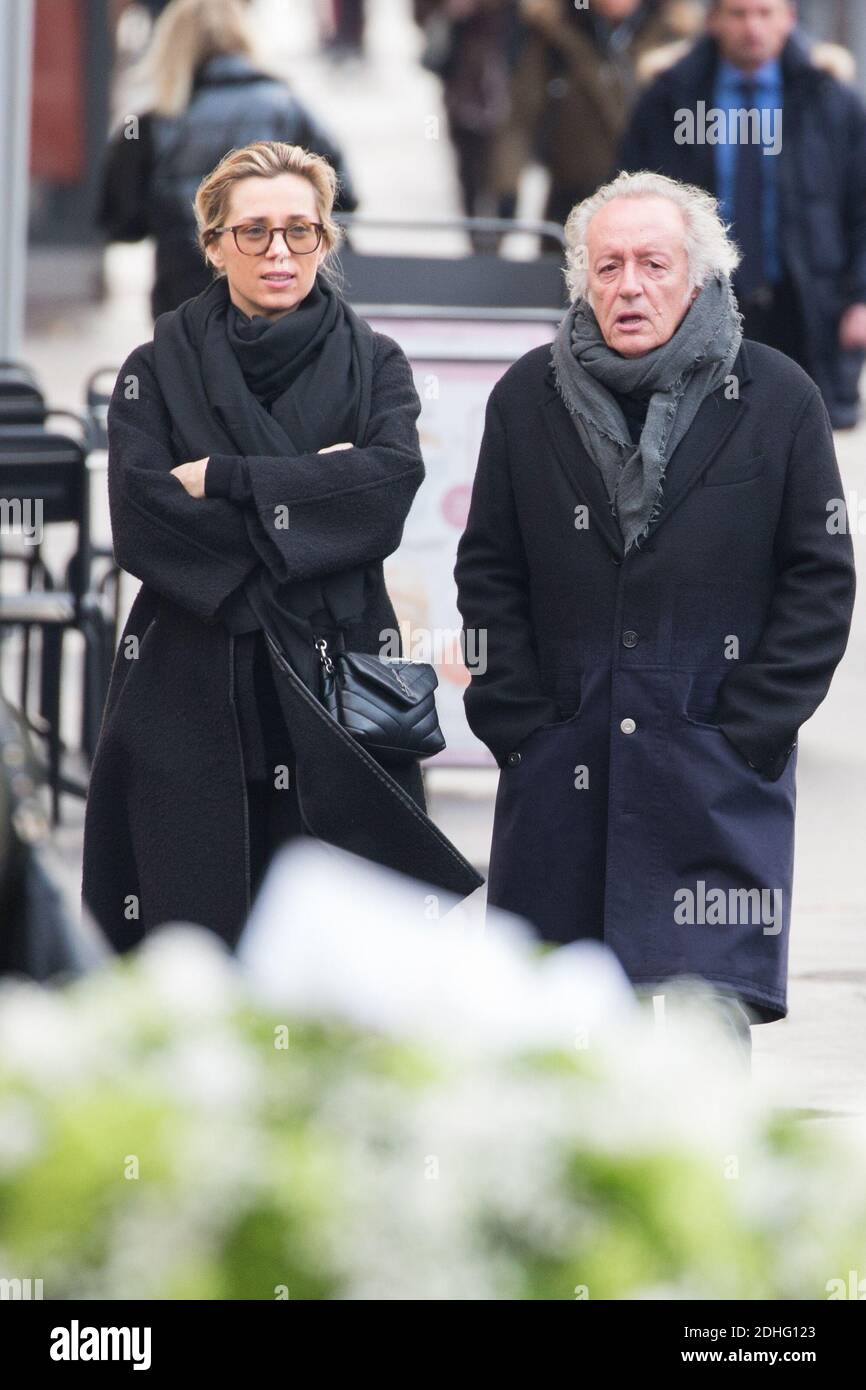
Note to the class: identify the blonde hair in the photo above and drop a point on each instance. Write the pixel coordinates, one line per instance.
(266, 159)
(187, 33)
(710, 250)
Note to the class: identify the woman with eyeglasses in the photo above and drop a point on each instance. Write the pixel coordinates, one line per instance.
(263, 455)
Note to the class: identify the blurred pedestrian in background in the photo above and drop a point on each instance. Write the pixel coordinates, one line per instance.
(470, 45)
(341, 23)
(154, 7)
(573, 87)
(214, 90)
(798, 213)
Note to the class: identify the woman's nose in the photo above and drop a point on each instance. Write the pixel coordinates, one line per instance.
(279, 243)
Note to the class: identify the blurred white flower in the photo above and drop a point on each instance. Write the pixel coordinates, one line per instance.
(332, 935)
(189, 971)
(468, 1117)
(42, 1037)
(20, 1132)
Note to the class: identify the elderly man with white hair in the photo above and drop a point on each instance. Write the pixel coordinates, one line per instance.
(650, 556)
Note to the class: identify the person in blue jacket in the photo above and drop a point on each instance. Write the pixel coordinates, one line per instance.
(749, 115)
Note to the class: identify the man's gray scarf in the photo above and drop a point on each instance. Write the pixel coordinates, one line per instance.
(680, 373)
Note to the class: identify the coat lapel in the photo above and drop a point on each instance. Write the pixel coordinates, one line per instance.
(709, 430)
(583, 475)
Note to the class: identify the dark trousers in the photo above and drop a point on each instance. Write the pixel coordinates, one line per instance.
(560, 201)
(773, 317)
(347, 24)
(275, 818)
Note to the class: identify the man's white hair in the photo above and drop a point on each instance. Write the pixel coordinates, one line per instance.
(710, 250)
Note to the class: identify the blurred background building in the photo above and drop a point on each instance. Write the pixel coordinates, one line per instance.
(81, 47)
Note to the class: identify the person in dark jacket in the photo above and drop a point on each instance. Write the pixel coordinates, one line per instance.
(214, 91)
(263, 455)
(648, 552)
(748, 115)
(342, 24)
(471, 47)
(573, 86)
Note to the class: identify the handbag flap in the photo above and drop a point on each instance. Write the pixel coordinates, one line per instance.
(418, 676)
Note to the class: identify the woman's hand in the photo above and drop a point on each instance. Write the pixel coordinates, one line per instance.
(331, 447)
(192, 476)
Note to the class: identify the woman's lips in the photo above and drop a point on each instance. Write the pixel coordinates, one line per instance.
(278, 279)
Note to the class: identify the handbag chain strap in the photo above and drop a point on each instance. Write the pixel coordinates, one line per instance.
(322, 649)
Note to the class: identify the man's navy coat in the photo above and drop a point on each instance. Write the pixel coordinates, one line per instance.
(644, 709)
(822, 194)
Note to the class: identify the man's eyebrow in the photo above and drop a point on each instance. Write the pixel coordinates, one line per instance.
(649, 250)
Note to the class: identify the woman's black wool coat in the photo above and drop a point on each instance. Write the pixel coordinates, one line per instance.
(166, 834)
(644, 709)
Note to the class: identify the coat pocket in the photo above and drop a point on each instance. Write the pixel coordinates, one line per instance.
(552, 728)
(568, 694)
(726, 472)
(705, 724)
(700, 700)
(700, 720)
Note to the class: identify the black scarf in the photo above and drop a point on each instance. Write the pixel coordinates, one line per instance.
(311, 347)
(314, 365)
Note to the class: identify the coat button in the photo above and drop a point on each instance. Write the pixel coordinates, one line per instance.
(513, 759)
(629, 638)
(628, 726)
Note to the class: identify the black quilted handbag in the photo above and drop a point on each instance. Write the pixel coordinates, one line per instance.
(386, 703)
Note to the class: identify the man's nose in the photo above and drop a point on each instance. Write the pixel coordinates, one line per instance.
(629, 280)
